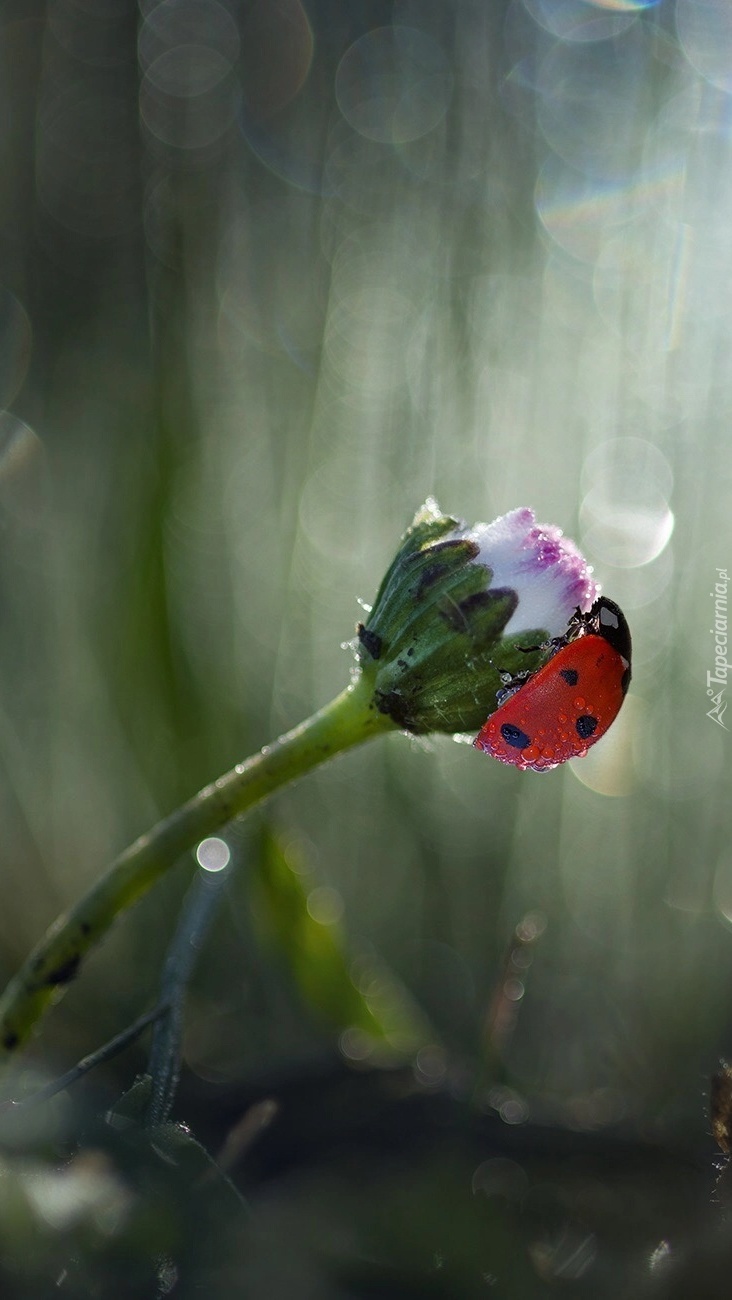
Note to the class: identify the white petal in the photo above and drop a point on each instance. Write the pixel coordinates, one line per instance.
(545, 569)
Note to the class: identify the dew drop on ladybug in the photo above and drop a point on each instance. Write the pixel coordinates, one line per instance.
(568, 704)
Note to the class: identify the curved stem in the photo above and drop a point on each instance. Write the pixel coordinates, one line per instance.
(347, 721)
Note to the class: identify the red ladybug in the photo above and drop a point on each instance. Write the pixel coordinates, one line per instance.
(563, 708)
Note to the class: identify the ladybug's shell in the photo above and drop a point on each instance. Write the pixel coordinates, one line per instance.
(563, 708)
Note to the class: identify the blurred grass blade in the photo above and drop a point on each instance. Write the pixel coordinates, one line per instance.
(352, 992)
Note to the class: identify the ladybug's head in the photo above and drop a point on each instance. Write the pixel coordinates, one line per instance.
(607, 620)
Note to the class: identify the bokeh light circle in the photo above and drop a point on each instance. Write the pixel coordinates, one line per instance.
(213, 854)
(594, 102)
(394, 84)
(581, 21)
(618, 463)
(579, 212)
(187, 51)
(204, 24)
(704, 29)
(188, 70)
(625, 516)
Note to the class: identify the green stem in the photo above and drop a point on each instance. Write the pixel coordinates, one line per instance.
(350, 719)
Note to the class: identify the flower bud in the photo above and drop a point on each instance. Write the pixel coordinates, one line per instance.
(459, 608)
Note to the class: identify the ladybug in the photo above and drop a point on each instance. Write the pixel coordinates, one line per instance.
(560, 710)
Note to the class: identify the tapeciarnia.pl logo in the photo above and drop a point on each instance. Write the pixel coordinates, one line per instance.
(719, 677)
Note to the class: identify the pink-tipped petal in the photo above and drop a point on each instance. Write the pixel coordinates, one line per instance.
(546, 570)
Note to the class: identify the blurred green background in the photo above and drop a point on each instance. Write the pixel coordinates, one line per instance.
(270, 274)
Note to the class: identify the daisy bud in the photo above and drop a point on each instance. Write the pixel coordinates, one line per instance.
(462, 607)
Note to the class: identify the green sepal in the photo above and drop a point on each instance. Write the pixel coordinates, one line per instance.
(515, 658)
(425, 528)
(433, 647)
(446, 676)
(415, 581)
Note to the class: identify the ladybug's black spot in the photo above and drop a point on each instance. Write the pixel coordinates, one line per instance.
(586, 726)
(514, 736)
(570, 675)
(625, 681)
